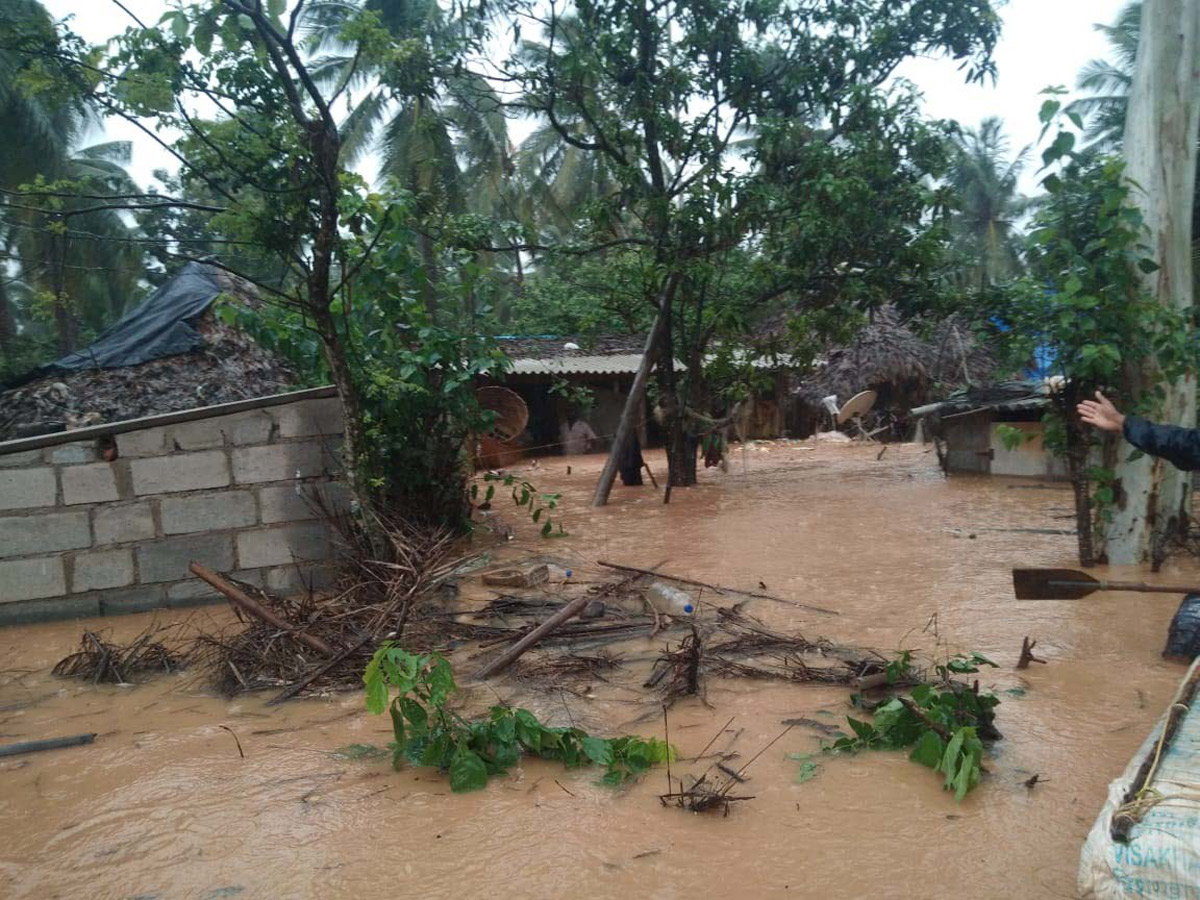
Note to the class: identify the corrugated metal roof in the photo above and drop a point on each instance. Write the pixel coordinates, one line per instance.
(579, 364)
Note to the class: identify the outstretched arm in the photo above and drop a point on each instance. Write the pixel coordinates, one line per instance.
(1178, 446)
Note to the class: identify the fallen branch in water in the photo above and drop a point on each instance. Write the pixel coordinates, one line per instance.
(1027, 656)
(560, 618)
(244, 602)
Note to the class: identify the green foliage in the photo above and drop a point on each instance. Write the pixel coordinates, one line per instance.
(1087, 249)
(526, 496)
(415, 374)
(1011, 437)
(428, 733)
(1085, 300)
(578, 397)
(964, 714)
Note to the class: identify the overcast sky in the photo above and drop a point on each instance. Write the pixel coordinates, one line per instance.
(1044, 43)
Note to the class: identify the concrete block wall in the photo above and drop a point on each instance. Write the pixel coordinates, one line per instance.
(107, 519)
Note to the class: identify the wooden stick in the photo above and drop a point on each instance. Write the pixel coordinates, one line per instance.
(1027, 656)
(653, 480)
(253, 607)
(716, 587)
(572, 609)
(76, 740)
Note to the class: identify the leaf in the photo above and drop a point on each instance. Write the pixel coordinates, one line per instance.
(179, 23)
(276, 7)
(397, 721)
(861, 729)
(928, 750)
(467, 772)
(377, 690)
(598, 750)
(529, 730)
(415, 713)
(807, 772)
(547, 528)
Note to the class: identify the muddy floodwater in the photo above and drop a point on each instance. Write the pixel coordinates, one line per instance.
(162, 805)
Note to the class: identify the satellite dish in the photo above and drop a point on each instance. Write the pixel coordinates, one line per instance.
(858, 405)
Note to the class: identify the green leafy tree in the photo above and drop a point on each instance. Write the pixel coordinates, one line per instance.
(662, 96)
(1085, 300)
(263, 178)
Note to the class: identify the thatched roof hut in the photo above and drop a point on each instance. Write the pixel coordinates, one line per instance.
(883, 355)
(890, 357)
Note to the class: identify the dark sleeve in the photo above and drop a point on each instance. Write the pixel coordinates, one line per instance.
(1178, 446)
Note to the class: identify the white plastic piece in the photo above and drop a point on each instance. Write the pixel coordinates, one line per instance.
(670, 601)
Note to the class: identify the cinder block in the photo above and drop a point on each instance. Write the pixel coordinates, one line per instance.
(72, 454)
(147, 442)
(31, 579)
(208, 512)
(282, 544)
(123, 524)
(310, 417)
(23, 458)
(297, 502)
(201, 434)
(102, 569)
(93, 483)
(289, 580)
(169, 560)
(252, 427)
(23, 535)
(27, 488)
(191, 591)
(180, 472)
(29, 611)
(132, 600)
(277, 462)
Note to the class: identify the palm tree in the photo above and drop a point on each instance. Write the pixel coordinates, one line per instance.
(1108, 82)
(84, 259)
(447, 145)
(984, 181)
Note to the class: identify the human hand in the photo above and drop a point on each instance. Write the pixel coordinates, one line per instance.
(1100, 413)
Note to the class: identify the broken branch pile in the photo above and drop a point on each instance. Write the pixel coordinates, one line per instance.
(100, 661)
(323, 642)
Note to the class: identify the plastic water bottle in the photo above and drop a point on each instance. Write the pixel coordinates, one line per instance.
(669, 600)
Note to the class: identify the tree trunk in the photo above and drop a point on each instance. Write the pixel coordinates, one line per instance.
(631, 415)
(1160, 150)
(432, 274)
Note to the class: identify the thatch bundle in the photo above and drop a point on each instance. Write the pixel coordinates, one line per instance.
(885, 353)
(891, 357)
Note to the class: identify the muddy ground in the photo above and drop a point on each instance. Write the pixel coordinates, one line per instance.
(162, 805)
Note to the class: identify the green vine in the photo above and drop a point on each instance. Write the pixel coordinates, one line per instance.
(944, 724)
(526, 496)
(427, 733)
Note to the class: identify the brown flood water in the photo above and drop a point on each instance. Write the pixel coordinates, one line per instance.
(161, 806)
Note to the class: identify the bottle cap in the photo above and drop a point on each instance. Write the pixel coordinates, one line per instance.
(688, 608)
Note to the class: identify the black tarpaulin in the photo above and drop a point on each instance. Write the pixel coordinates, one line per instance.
(159, 327)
